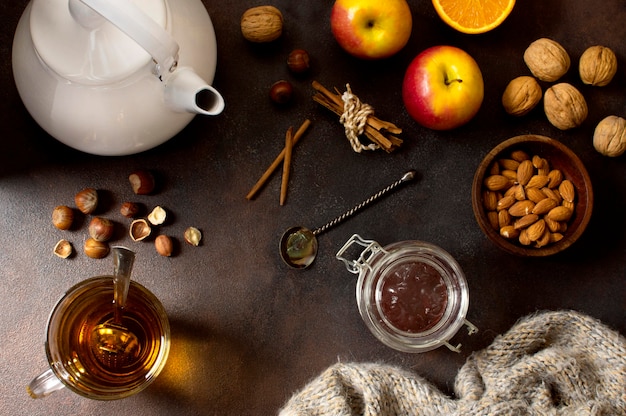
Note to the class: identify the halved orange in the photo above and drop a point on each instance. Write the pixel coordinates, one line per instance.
(473, 16)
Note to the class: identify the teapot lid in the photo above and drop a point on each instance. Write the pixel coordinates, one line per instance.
(81, 46)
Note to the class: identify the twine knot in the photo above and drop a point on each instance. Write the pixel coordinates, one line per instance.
(354, 119)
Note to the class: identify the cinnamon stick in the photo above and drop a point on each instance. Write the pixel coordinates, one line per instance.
(266, 175)
(286, 165)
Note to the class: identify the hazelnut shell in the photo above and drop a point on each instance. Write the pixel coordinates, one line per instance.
(139, 230)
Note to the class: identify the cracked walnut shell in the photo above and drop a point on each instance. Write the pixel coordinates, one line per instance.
(609, 137)
(547, 59)
(597, 66)
(521, 95)
(564, 106)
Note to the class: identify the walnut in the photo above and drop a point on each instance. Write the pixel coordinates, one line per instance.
(262, 24)
(597, 66)
(609, 137)
(521, 95)
(565, 106)
(547, 59)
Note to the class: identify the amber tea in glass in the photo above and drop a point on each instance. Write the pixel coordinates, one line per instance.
(98, 355)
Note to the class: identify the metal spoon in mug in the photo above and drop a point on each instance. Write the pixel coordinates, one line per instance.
(113, 343)
(298, 245)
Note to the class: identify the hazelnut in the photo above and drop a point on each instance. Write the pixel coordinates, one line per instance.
(101, 229)
(298, 61)
(63, 249)
(62, 217)
(193, 236)
(281, 92)
(597, 66)
(139, 230)
(564, 106)
(129, 209)
(142, 182)
(609, 137)
(96, 249)
(86, 200)
(521, 95)
(262, 24)
(547, 59)
(157, 216)
(163, 245)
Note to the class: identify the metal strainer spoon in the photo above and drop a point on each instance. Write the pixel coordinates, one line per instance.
(298, 245)
(115, 345)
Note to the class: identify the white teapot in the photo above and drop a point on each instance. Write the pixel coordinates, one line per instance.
(115, 77)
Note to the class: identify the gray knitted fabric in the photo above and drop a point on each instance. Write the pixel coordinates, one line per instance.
(550, 363)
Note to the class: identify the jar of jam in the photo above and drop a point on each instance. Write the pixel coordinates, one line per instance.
(412, 295)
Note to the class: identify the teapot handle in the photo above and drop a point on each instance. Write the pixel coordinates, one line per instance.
(142, 29)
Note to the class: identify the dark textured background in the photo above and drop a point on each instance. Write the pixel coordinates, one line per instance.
(248, 331)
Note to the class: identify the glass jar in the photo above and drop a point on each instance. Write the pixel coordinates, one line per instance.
(412, 295)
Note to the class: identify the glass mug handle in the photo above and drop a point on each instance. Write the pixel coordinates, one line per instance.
(44, 384)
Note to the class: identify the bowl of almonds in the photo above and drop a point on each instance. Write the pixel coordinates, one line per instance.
(532, 196)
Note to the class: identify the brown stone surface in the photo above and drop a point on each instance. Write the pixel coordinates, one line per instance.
(248, 331)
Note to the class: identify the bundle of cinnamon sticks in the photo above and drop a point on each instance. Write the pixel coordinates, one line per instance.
(376, 130)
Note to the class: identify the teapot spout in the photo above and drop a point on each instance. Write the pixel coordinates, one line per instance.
(185, 91)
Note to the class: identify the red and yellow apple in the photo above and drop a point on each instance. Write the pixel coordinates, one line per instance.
(371, 29)
(443, 88)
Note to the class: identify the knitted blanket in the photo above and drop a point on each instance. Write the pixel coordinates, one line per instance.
(550, 363)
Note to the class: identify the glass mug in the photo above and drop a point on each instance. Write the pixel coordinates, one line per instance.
(93, 357)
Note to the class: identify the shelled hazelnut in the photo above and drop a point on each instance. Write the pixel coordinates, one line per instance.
(163, 245)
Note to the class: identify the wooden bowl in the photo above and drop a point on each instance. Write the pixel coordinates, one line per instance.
(559, 157)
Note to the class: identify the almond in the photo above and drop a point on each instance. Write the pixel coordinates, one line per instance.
(521, 208)
(552, 194)
(567, 190)
(509, 232)
(544, 206)
(552, 225)
(490, 200)
(525, 172)
(536, 230)
(523, 238)
(555, 177)
(492, 216)
(506, 202)
(539, 162)
(559, 213)
(509, 164)
(538, 181)
(497, 182)
(544, 240)
(569, 205)
(535, 194)
(525, 221)
(509, 174)
(555, 237)
(519, 155)
(504, 218)
(520, 193)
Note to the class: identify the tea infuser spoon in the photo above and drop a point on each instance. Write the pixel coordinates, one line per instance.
(114, 344)
(298, 245)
